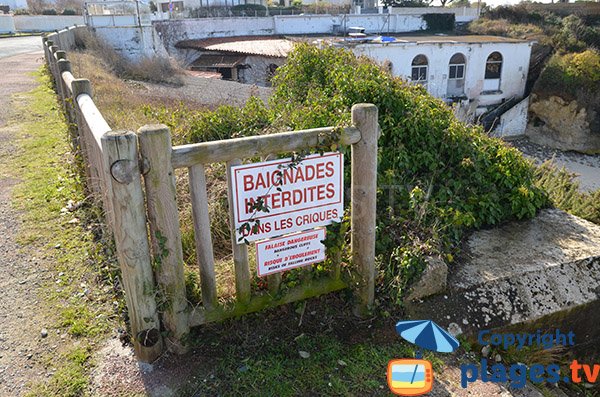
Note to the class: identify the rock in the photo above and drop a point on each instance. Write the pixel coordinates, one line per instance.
(433, 280)
(454, 329)
(498, 358)
(304, 354)
(44, 332)
(561, 124)
(485, 352)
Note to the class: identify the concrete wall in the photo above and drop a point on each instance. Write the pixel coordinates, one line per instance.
(7, 24)
(514, 121)
(174, 31)
(133, 43)
(45, 23)
(514, 69)
(257, 71)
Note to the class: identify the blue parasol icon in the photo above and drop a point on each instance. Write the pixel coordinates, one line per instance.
(427, 335)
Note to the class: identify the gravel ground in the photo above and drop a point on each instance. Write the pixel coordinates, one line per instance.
(586, 166)
(207, 91)
(21, 272)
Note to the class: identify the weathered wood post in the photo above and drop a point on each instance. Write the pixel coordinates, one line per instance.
(363, 202)
(124, 187)
(60, 55)
(163, 216)
(65, 66)
(240, 250)
(202, 236)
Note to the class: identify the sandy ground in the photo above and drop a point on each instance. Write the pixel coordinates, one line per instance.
(587, 167)
(21, 272)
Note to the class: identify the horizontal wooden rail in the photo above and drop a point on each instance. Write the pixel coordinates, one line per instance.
(68, 79)
(200, 315)
(262, 145)
(93, 118)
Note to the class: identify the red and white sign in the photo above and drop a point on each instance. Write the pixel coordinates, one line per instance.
(298, 198)
(288, 252)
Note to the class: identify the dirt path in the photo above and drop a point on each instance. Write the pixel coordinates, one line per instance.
(19, 271)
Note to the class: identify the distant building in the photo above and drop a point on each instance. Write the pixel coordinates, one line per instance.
(479, 75)
(482, 70)
(250, 60)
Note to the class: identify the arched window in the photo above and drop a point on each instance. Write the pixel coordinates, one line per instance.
(419, 69)
(456, 75)
(493, 66)
(457, 67)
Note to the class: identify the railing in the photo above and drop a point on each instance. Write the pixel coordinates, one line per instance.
(115, 162)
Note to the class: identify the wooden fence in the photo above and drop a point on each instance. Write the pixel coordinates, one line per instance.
(132, 176)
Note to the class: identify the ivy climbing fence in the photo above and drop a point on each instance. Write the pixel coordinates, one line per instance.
(132, 176)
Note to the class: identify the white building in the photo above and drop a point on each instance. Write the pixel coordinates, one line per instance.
(478, 71)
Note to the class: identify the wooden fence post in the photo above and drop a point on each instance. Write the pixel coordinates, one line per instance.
(202, 236)
(121, 165)
(363, 202)
(240, 250)
(64, 66)
(163, 216)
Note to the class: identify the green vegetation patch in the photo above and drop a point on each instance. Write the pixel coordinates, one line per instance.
(77, 296)
(438, 178)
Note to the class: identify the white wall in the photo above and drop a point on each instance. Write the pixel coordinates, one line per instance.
(184, 29)
(514, 68)
(514, 121)
(7, 24)
(45, 23)
(133, 42)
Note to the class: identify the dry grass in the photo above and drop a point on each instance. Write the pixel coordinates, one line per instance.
(122, 104)
(503, 27)
(157, 70)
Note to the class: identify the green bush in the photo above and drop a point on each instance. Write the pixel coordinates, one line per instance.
(49, 11)
(446, 177)
(564, 193)
(440, 22)
(249, 9)
(570, 75)
(69, 11)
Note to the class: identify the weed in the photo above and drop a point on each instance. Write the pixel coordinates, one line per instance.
(79, 298)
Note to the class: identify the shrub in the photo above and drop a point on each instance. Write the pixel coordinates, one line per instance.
(69, 11)
(570, 75)
(49, 11)
(440, 22)
(447, 178)
(249, 9)
(563, 190)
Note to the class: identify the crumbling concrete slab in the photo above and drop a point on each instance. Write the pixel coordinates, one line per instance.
(518, 272)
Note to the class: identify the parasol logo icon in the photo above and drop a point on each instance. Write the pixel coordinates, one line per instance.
(414, 377)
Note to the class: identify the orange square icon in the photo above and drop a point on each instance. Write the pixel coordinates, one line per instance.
(409, 377)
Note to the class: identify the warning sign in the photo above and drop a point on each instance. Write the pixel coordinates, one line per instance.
(298, 197)
(288, 252)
